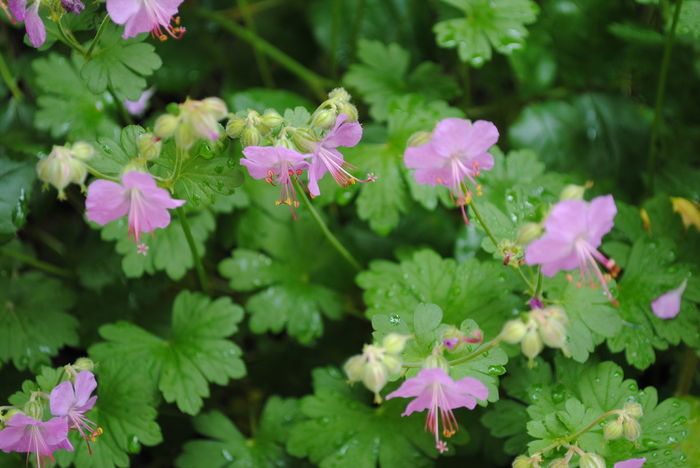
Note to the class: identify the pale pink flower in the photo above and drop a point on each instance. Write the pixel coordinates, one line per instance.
(28, 435)
(458, 150)
(32, 21)
(631, 463)
(276, 165)
(138, 196)
(435, 391)
(573, 233)
(139, 16)
(138, 107)
(72, 400)
(668, 305)
(326, 158)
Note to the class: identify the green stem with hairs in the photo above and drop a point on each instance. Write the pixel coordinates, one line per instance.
(38, 264)
(100, 175)
(660, 93)
(488, 346)
(98, 35)
(9, 79)
(70, 40)
(203, 282)
(324, 228)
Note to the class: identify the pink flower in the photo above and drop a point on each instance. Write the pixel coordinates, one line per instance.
(435, 391)
(458, 150)
(32, 21)
(326, 158)
(631, 463)
(668, 305)
(138, 107)
(138, 196)
(277, 165)
(26, 435)
(139, 16)
(574, 230)
(72, 400)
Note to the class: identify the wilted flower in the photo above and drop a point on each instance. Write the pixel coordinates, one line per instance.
(668, 305)
(435, 391)
(574, 230)
(28, 435)
(32, 21)
(457, 151)
(139, 16)
(72, 400)
(138, 196)
(73, 6)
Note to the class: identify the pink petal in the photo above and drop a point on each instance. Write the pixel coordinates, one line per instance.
(631, 463)
(601, 212)
(484, 160)
(434, 176)
(316, 171)
(451, 136)
(480, 138)
(422, 402)
(11, 439)
(472, 386)
(18, 8)
(139, 22)
(121, 10)
(138, 107)
(62, 398)
(84, 385)
(105, 202)
(458, 400)
(34, 26)
(568, 219)
(87, 406)
(423, 156)
(346, 134)
(55, 431)
(668, 305)
(139, 180)
(553, 253)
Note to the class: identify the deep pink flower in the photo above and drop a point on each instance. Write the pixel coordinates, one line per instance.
(631, 463)
(574, 230)
(138, 196)
(668, 305)
(326, 158)
(435, 391)
(458, 150)
(28, 435)
(32, 21)
(139, 16)
(277, 165)
(72, 400)
(138, 107)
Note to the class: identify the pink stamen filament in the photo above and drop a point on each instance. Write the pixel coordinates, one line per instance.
(432, 423)
(589, 269)
(336, 167)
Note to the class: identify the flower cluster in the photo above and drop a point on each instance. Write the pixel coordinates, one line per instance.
(540, 326)
(65, 165)
(192, 120)
(25, 430)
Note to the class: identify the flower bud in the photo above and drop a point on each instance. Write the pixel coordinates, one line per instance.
(7, 416)
(374, 376)
(392, 364)
(572, 192)
(523, 462)
(323, 118)
(60, 168)
(529, 232)
(355, 368)
(166, 125)
(149, 146)
(513, 331)
(591, 460)
(633, 410)
(73, 6)
(215, 106)
(271, 119)
(339, 94)
(631, 429)
(419, 138)
(553, 333)
(436, 361)
(558, 463)
(305, 139)
(82, 150)
(612, 430)
(394, 343)
(185, 135)
(84, 363)
(350, 111)
(250, 137)
(234, 127)
(531, 345)
(34, 409)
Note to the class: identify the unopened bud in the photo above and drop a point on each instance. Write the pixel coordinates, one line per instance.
(82, 150)
(323, 118)
(513, 331)
(305, 139)
(166, 125)
(572, 192)
(591, 460)
(631, 429)
(185, 135)
(215, 106)
(73, 6)
(531, 345)
(612, 430)
(523, 462)
(529, 232)
(355, 368)
(350, 111)
(60, 169)
(436, 361)
(234, 127)
(34, 409)
(339, 94)
(419, 138)
(84, 364)
(375, 376)
(394, 343)
(271, 119)
(558, 463)
(633, 410)
(7, 416)
(553, 333)
(149, 146)
(250, 137)
(392, 364)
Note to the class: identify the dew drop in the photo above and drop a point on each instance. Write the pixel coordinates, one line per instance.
(395, 319)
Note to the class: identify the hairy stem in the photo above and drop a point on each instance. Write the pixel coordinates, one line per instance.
(203, 282)
(38, 264)
(490, 345)
(98, 35)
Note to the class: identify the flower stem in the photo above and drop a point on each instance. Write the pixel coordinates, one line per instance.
(100, 175)
(688, 366)
(569, 438)
(70, 39)
(203, 282)
(316, 82)
(98, 35)
(660, 93)
(490, 345)
(260, 58)
(324, 228)
(38, 264)
(9, 79)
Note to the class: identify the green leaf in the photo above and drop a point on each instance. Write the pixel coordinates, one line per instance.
(113, 155)
(507, 419)
(348, 432)
(194, 354)
(498, 24)
(383, 75)
(228, 447)
(470, 289)
(689, 19)
(120, 65)
(66, 107)
(168, 249)
(261, 99)
(34, 324)
(16, 180)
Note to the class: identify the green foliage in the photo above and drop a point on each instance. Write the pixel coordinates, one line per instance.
(498, 24)
(194, 353)
(16, 179)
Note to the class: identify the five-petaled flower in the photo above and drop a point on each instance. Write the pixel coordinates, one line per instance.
(574, 230)
(72, 400)
(668, 305)
(32, 21)
(139, 16)
(28, 435)
(458, 150)
(276, 165)
(435, 391)
(138, 196)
